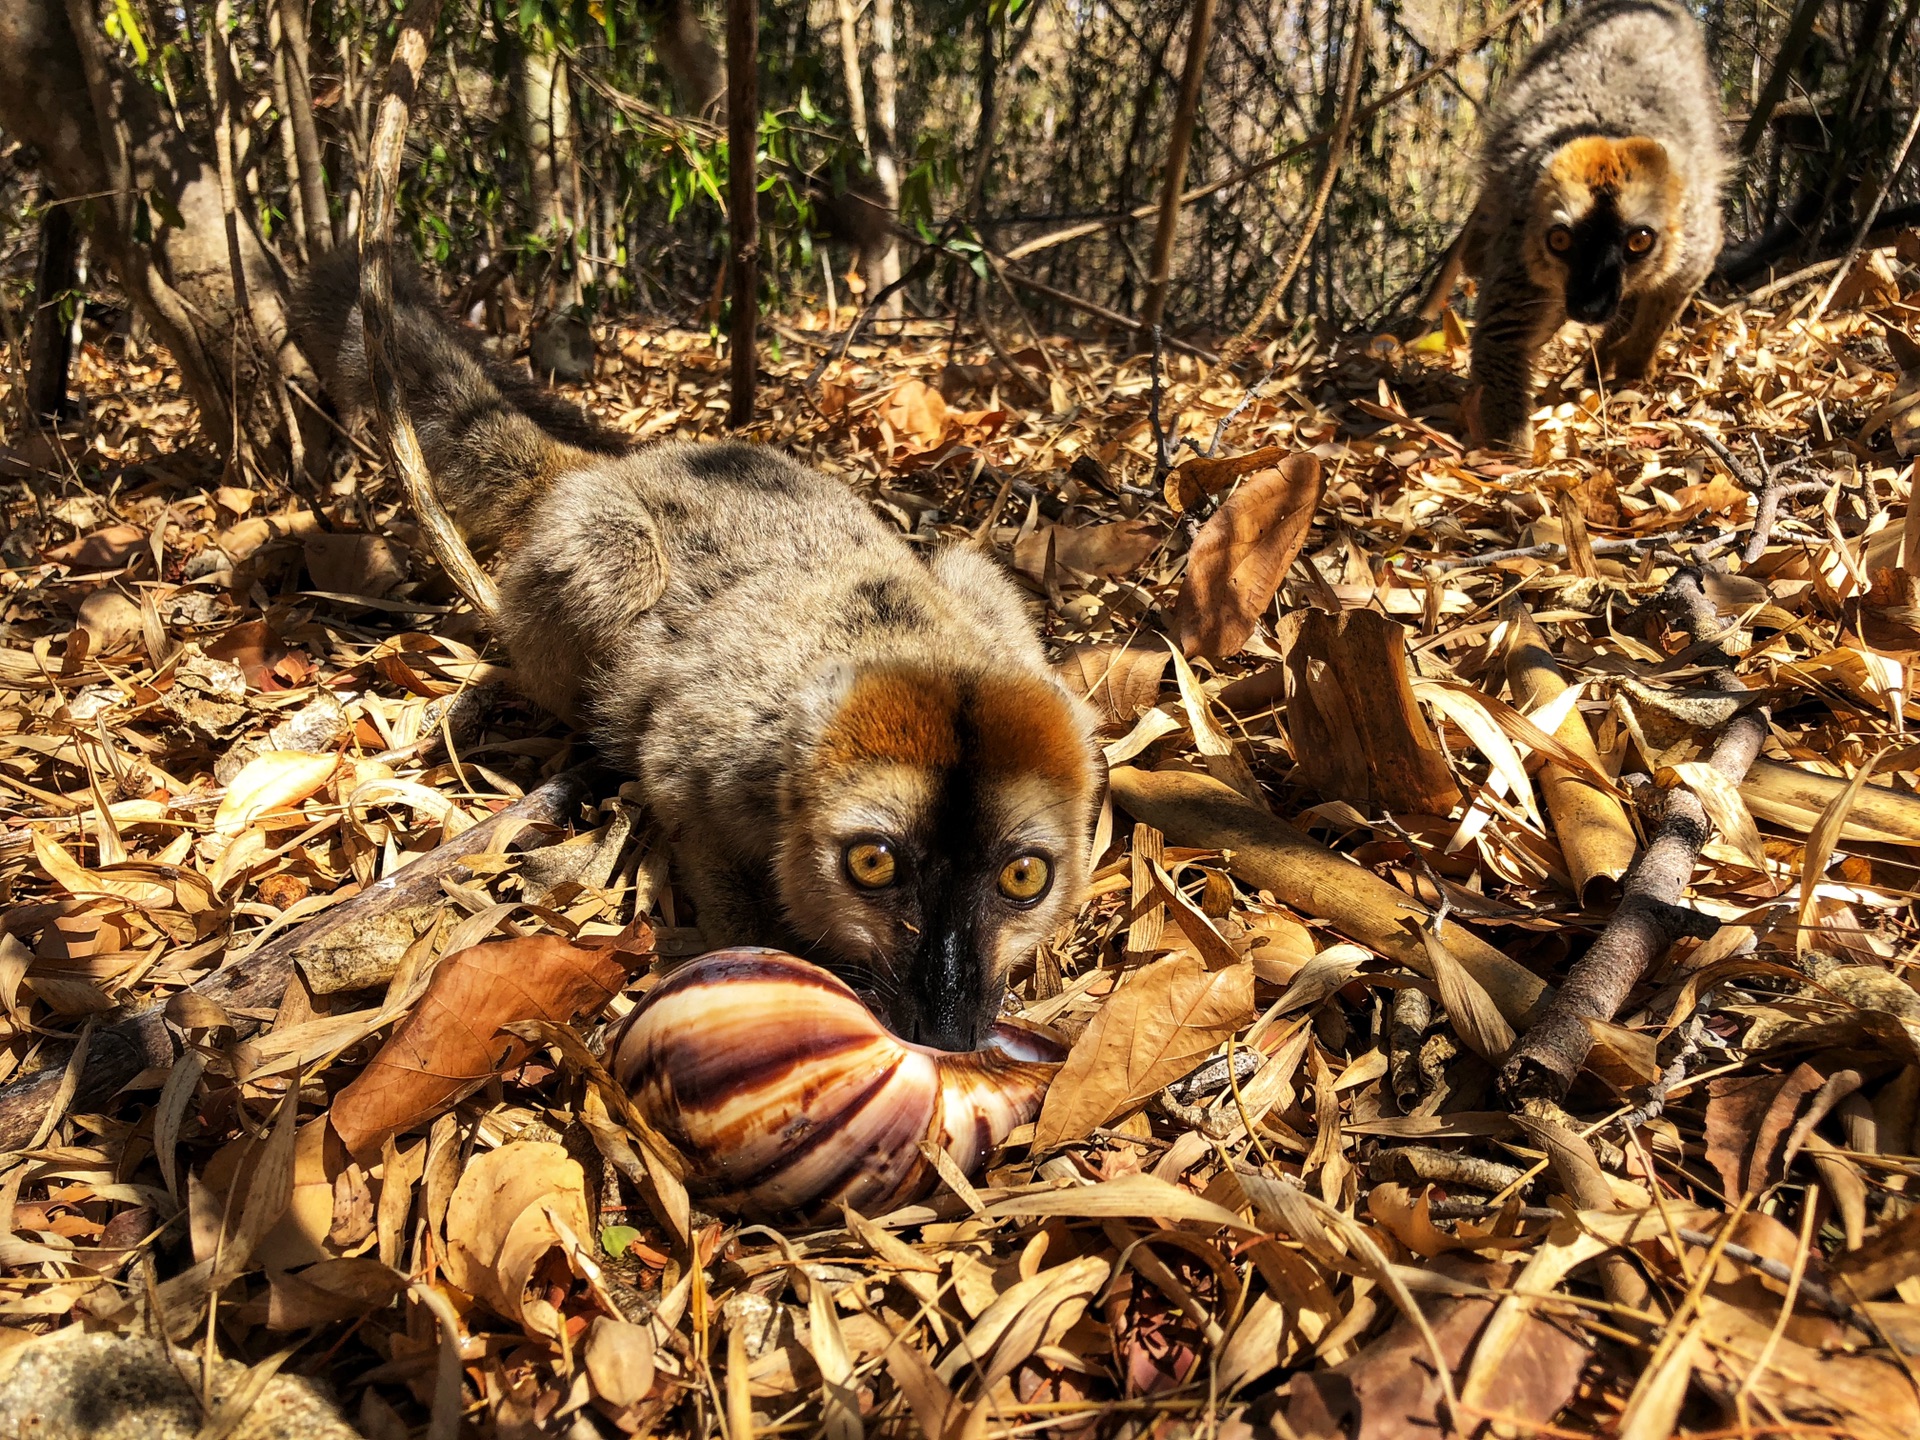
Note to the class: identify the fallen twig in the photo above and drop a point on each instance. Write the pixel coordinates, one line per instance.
(1770, 491)
(1650, 916)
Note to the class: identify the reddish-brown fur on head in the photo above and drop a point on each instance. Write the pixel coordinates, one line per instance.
(1011, 725)
(958, 774)
(1612, 186)
(1598, 162)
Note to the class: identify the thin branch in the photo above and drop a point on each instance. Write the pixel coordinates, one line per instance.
(1330, 172)
(1650, 916)
(1366, 112)
(376, 308)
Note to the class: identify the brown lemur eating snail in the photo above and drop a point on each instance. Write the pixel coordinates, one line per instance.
(859, 756)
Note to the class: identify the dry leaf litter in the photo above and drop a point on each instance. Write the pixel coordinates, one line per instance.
(1388, 723)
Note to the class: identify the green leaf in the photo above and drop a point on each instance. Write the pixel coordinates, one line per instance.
(130, 28)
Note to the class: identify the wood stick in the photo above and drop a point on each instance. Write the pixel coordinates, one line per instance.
(1264, 850)
(142, 1041)
(376, 311)
(1594, 833)
(1650, 916)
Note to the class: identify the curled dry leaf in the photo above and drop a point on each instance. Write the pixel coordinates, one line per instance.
(513, 1208)
(917, 412)
(1206, 475)
(451, 1043)
(270, 782)
(113, 622)
(1243, 553)
(1119, 681)
(1157, 1026)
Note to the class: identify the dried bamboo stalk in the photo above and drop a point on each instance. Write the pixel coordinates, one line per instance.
(1595, 835)
(1263, 850)
(1793, 798)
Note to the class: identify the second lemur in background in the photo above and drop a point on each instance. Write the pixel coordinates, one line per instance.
(1600, 177)
(859, 755)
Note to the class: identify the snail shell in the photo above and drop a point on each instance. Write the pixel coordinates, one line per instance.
(783, 1094)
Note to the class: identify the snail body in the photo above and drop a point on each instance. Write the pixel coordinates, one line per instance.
(783, 1095)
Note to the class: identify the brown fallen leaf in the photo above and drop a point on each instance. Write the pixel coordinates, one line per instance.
(1203, 476)
(107, 549)
(1243, 553)
(355, 564)
(1357, 730)
(1157, 1027)
(270, 782)
(512, 1209)
(1118, 548)
(1389, 1391)
(113, 623)
(1890, 1256)
(257, 649)
(451, 1043)
(1748, 1119)
(917, 412)
(1119, 681)
(1865, 1396)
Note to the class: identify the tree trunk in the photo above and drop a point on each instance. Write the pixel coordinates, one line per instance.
(688, 55)
(873, 208)
(743, 200)
(988, 123)
(546, 129)
(310, 172)
(289, 146)
(1179, 144)
(50, 338)
(576, 269)
(886, 165)
(103, 144)
(850, 66)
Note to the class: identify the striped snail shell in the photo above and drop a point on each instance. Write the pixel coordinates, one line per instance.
(783, 1095)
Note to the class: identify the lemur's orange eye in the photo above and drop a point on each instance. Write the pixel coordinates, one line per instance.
(1559, 239)
(870, 864)
(1639, 240)
(1024, 879)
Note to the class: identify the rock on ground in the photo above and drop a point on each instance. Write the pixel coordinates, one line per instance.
(75, 1385)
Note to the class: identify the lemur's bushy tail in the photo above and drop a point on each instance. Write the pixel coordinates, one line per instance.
(492, 439)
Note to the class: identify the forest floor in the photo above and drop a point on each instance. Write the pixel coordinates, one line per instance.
(231, 706)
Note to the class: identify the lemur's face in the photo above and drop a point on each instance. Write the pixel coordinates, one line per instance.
(1604, 224)
(935, 834)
